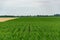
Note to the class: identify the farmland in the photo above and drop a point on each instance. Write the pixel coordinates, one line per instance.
(5, 19)
(31, 28)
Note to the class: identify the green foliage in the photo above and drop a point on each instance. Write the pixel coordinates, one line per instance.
(31, 28)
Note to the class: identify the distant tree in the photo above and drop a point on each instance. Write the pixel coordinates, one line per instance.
(38, 15)
(56, 14)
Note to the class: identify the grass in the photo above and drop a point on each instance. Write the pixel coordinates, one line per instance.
(31, 28)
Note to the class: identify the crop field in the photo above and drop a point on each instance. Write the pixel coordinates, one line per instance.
(5, 19)
(31, 28)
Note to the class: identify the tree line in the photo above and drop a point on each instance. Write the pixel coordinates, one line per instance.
(30, 15)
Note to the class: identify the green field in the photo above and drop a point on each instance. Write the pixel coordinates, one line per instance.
(31, 28)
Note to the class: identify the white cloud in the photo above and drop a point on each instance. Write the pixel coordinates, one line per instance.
(29, 7)
(20, 3)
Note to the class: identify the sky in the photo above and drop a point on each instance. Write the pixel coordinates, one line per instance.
(29, 7)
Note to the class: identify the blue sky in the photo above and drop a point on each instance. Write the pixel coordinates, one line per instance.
(29, 7)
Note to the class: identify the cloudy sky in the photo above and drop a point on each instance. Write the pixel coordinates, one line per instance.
(29, 7)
